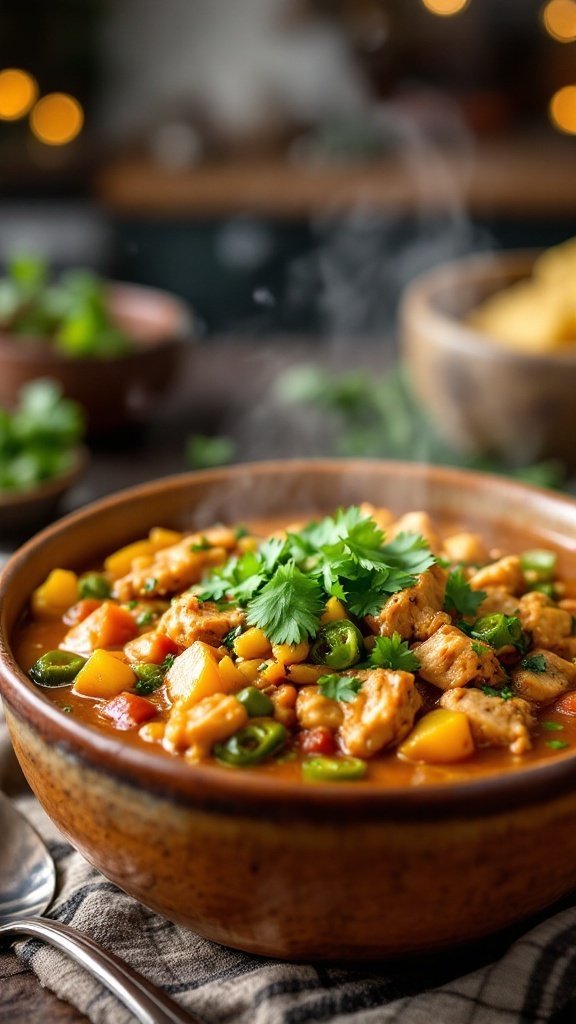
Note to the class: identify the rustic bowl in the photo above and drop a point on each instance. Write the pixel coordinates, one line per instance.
(119, 391)
(21, 512)
(483, 398)
(297, 871)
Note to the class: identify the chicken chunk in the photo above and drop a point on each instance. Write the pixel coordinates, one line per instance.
(494, 722)
(189, 619)
(381, 715)
(194, 730)
(450, 659)
(542, 676)
(498, 599)
(415, 612)
(506, 573)
(548, 624)
(313, 710)
(420, 523)
(178, 566)
(465, 549)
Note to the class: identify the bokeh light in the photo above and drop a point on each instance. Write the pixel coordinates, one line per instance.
(57, 119)
(559, 17)
(18, 91)
(445, 7)
(563, 109)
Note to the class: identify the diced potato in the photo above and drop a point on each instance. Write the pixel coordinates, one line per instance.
(250, 669)
(120, 562)
(232, 678)
(252, 644)
(107, 626)
(104, 676)
(194, 675)
(152, 732)
(273, 672)
(56, 594)
(305, 675)
(160, 538)
(440, 737)
(290, 654)
(335, 611)
(151, 647)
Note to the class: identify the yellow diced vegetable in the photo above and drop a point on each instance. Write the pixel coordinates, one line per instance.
(104, 676)
(160, 538)
(335, 611)
(56, 594)
(307, 675)
(290, 654)
(232, 679)
(273, 672)
(194, 675)
(249, 669)
(252, 644)
(120, 562)
(152, 732)
(440, 737)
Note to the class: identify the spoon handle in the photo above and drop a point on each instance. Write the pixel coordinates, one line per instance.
(148, 1004)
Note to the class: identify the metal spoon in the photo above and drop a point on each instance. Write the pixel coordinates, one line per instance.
(27, 883)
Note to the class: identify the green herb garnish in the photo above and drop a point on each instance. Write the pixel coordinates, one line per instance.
(231, 636)
(145, 618)
(344, 688)
(534, 663)
(38, 439)
(150, 584)
(557, 744)
(460, 599)
(479, 649)
(505, 693)
(392, 652)
(552, 726)
(201, 545)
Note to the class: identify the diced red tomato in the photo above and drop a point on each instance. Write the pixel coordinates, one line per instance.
(128, 710)
(566, 705)
(317, 741)
(150, 647)
(108, 626)
(80, 611)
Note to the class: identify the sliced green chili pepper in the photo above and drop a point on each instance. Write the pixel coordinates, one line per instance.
(56, 668)
(539, 564)
(94, 584)
(148, 677)
(253, 744)
(257, 704)
(333, 769)
(338, 644)
(500, 631)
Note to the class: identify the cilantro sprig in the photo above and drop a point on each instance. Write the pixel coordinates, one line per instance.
(344, 688)
(392, 652)
(460, 599)
(285, 584)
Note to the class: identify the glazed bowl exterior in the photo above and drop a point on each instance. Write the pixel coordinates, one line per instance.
(271, 867)
(484, 398)
(114, 392)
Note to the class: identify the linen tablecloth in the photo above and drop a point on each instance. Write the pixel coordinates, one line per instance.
(523, 977)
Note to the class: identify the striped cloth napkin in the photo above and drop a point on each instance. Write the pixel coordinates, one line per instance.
(525, 977)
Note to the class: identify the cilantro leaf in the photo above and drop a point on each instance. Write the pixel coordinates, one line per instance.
(505, 693)
(344, 688)
(288, 607)
(367, 597)
(534, 663)
(409, 552)
(460, 598)
(393, 653)
(479, 649)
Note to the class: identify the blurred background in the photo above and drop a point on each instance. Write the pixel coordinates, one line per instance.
(285, 167)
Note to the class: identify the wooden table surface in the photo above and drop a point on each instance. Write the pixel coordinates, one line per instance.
(226, 388)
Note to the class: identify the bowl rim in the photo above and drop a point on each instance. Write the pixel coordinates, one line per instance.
(418, 301)
(213, 786)
(31, 348)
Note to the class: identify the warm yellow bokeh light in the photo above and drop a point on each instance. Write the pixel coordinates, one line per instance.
(445, 7)
(57, 119)
(559, 18)
(18, 91)
(563, 109)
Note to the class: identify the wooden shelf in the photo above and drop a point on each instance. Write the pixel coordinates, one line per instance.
(534, 177)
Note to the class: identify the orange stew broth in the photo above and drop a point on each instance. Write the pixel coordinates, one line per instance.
(35, 637)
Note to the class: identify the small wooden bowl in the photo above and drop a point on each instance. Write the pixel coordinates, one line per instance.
(483, 398)
(22, 512)
(114, 392)
(327, 871)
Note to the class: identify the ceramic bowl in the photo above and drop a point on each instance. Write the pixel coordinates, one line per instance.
(296, 871)
(21, 512)
(114, 392)
(483, 398)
